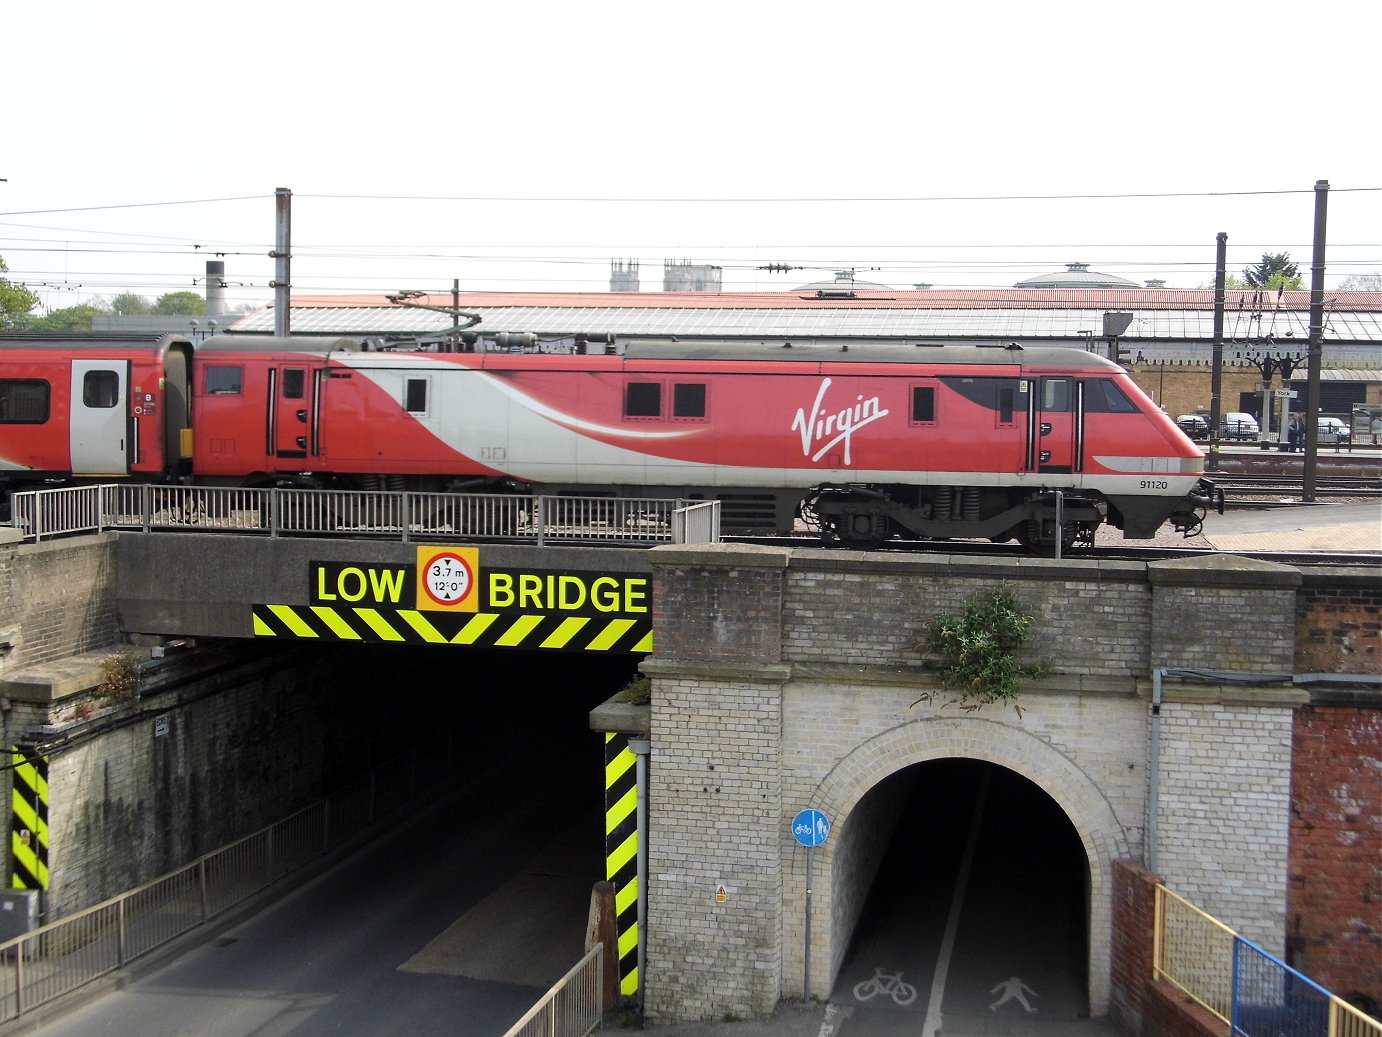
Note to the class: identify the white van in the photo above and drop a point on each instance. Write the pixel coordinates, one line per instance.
(1237, 425)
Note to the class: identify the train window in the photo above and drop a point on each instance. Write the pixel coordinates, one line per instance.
(1104, 395)
(688, 400)
(415, 395)
(223, 381)
(23, 401)
(100, 389)
(923, 404)
(1055, 394)
(294, 383)
(643, 400)
(1005, 404)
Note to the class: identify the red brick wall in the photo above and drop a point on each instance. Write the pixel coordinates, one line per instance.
(1334, 902)
(1339, 624)
(1130, 951)
(1138, 1005)
(1171, 1014)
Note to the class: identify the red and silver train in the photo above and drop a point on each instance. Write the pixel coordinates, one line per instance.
(866, 442)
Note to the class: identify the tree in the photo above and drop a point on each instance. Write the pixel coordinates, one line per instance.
(1361, 283)
(71, 318)
(129, 305)
(15, 302)
(179, 304)
(1275, 271)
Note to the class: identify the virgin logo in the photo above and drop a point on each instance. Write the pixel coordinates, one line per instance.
(823, 429)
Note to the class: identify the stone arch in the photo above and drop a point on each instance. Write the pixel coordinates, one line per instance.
(919, 741)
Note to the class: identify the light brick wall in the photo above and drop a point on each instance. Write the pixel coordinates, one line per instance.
(1223, 813)
(715, 780)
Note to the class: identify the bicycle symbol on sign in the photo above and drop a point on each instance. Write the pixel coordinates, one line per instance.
(885, 983)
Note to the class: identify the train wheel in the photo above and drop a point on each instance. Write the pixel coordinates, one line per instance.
(857, 531)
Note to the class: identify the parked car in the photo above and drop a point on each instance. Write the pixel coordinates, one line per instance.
(1193, 425)
(1333, 430)
(1237, 425)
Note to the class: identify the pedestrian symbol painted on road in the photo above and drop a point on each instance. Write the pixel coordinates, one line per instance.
(1013, 990)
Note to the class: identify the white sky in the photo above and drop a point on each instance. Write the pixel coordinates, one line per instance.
(523, 146)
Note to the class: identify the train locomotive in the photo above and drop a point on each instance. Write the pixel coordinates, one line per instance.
(859, 442)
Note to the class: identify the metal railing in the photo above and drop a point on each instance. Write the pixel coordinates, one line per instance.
(574, 1005)
(401, 515)
(1252, 992)
(697, 523)
(58, 958)
(1194, 952)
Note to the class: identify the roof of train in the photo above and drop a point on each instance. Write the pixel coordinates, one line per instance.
(918, 353)
(88, 340)
(728, 349)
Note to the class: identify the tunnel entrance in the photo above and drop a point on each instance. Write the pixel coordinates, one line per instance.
(978, 903)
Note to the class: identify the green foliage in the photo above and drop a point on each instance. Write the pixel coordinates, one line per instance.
(128, 304)
(638, 692)
(15, 302)
(978, 649)
(71, 318)
(1274, 271)
(119, 675)
(179, 304)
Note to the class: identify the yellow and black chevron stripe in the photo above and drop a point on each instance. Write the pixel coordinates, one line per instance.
(621, 852)
(29, 820)
(466, 629)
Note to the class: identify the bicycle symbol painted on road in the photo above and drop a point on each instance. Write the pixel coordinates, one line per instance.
(885, 983)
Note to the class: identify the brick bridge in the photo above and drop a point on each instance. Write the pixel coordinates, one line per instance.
(786, 679)
(789, 679)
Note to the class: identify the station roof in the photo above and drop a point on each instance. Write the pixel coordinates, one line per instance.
(1058, 313)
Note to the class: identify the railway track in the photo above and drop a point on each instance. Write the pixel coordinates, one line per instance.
(1326, 488)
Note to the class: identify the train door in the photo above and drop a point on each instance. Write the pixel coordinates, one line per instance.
(290, 421)
(99, 427)
(1055, 415)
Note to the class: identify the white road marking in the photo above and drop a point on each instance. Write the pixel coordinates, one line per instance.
(932, 1026)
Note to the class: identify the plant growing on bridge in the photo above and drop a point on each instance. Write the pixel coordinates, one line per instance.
(119, 675)
(978, 649)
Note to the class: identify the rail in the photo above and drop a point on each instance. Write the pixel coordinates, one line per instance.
(54, 960)
(400, 515)
(1252, 992)
(574, 1005)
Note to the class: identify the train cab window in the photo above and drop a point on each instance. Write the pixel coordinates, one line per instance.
(294, 383)
(23, 401)
(1055, 394)
(415, 395)
(1005, 404)
(643, 400)
(688, 400)
(223, 381)
(100, 389)
(1104, 395)
(923, 405)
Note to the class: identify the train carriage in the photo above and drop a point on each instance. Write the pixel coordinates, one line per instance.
(76, 407)
(862, 442)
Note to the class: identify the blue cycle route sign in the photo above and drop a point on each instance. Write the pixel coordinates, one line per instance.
(810, 827)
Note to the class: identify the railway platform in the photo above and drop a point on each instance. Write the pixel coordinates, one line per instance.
(1307, 527)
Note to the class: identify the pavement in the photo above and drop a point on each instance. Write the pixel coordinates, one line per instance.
(1309, 527)
(842, 1019)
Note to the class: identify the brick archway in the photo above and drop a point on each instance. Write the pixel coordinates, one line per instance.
(919, 741)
